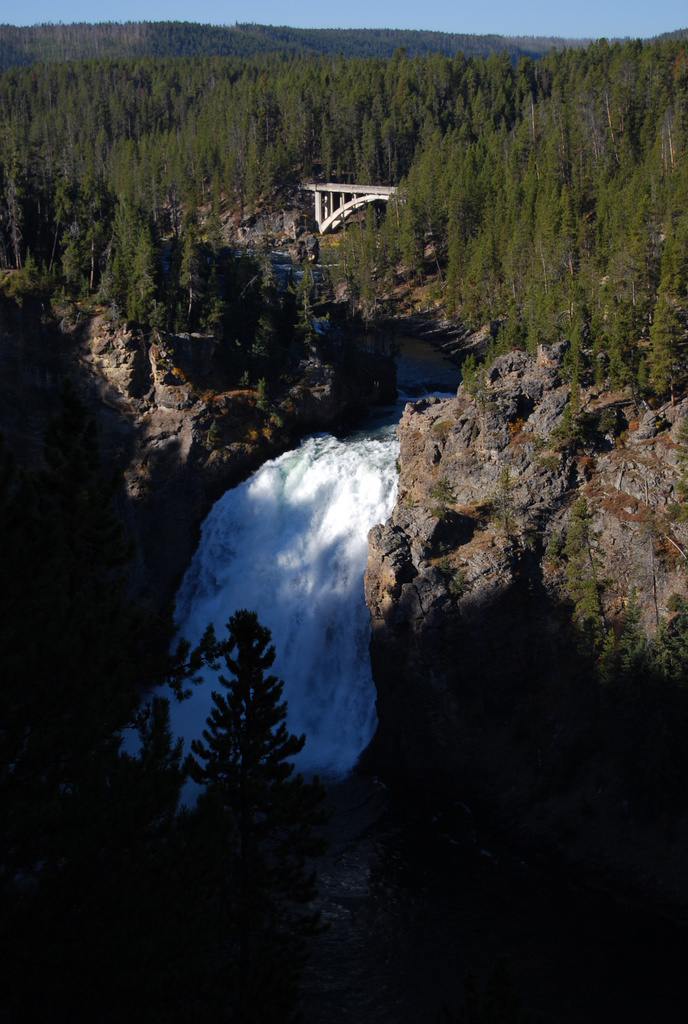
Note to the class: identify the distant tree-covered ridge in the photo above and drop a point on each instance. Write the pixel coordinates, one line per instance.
(24, 45)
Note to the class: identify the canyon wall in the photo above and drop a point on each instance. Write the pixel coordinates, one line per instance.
(485, 690)
(169, 422)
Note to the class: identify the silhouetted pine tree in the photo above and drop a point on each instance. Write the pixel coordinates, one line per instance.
(271, 817)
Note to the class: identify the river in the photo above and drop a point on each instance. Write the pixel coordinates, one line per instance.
(414, 897)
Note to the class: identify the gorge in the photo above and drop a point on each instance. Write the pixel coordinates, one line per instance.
(506, 649)
(419, 891)
(291, 542)
(450, 868)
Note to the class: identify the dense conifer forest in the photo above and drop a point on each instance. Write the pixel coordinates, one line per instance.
(548, 195)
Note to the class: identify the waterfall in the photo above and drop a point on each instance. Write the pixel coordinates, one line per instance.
(291, 544)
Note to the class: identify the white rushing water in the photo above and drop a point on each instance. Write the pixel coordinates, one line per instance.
(291, 545)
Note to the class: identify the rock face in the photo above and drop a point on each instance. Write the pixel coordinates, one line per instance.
(188, 439)
(167, 419)
(291, 229)
(476, 664)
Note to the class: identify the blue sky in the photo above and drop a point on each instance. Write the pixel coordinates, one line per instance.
(581, 19)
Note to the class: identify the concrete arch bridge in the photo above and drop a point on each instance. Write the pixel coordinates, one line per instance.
(334, 202)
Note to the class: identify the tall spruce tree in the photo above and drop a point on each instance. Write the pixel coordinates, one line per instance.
(270, 821)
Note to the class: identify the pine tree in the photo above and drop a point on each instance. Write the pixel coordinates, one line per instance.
(581, 572)
(244, 761)
(141, 298)
(664, 353)
(191, 272)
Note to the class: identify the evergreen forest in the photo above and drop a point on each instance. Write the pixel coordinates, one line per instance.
(546, 195)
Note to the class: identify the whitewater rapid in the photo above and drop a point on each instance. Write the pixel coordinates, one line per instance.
(291, 544)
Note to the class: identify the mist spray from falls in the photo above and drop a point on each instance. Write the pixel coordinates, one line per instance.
(291, 545)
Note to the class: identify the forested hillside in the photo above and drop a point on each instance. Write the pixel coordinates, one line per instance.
(549, 196)
(19, 46)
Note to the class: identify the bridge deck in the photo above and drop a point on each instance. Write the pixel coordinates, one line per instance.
(339, 188)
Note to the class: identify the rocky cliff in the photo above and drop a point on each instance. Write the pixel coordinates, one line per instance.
(484, 689)
(168, 419)
(192, 435)
(291, 229)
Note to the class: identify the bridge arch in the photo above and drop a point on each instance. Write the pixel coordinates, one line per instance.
(334, 202)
